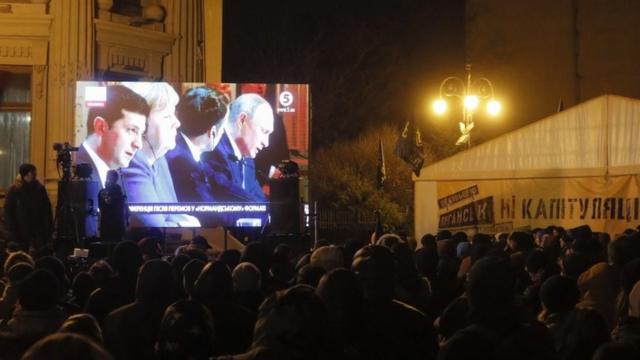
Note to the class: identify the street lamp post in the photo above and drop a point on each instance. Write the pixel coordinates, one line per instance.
(470, 93)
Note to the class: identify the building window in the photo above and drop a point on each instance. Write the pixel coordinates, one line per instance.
(127, 7)
(15, 121)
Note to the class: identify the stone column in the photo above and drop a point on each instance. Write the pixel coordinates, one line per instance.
(213, 40)
(184, 20)
(39, 153)
(71, 58)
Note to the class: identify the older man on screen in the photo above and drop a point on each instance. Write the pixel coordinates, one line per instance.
(231, 164)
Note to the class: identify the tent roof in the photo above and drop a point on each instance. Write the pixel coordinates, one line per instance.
(595, 138)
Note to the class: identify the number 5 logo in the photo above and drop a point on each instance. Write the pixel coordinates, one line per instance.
(286, 98)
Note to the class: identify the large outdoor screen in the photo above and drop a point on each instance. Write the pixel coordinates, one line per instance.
(193, 154)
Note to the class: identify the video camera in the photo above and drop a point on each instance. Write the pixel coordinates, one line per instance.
(64, 147)
(63, 158)
(289, 169)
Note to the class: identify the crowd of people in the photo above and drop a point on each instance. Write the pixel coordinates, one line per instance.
(541, 294)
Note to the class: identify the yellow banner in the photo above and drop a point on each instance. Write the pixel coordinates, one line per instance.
(609, 204)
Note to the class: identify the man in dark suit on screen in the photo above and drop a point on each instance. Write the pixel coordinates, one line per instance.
(114, 136)
(230, 166)
(201, 111)
(114, 132)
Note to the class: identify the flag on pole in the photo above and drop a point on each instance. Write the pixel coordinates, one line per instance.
(381, 171)
(409, 147)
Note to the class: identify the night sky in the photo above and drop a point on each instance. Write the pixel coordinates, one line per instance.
(368, 63)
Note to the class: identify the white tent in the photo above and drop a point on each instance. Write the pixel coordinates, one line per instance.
(594, 142)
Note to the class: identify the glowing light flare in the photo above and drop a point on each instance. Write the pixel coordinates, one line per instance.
(494, 107)
(471, 102)
(439, 106)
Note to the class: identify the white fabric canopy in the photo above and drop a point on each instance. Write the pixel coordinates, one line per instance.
(595, 138)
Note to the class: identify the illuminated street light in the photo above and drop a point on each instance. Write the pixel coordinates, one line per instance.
(494, 107)
(440, 106)
(471, 102)
(470, 93)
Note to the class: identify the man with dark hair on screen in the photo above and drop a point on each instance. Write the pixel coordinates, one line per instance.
(232, 172)
(201, 111)
(114, 132)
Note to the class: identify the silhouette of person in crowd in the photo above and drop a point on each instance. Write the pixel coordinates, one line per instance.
(113, 209)
(27, 210)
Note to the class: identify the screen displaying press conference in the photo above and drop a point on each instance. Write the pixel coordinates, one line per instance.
(194, 154)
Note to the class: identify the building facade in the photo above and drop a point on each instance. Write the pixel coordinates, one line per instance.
(48, 45)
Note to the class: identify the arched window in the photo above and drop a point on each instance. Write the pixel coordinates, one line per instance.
(15, 121)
